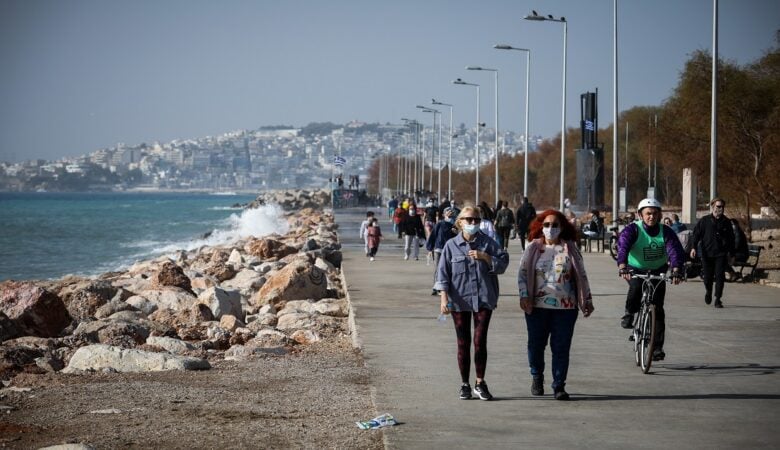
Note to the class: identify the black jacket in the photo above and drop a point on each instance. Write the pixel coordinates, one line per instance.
(413, 226)
(713, 237)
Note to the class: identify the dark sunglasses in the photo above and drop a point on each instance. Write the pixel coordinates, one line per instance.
(551, 224)
(718, 206)
(471, 219)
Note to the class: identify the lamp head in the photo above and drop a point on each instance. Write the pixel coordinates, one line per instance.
(502, 47)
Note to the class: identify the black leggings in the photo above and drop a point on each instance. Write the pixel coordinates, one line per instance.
(462, 321)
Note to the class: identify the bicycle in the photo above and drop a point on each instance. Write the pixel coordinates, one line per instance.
(643, 334)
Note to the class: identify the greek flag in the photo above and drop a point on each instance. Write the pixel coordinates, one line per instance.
(589, 125)
(339, 161)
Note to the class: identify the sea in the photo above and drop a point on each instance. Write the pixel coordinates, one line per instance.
(49, 235)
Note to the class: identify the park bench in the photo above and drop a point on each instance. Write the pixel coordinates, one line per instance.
(754, 252)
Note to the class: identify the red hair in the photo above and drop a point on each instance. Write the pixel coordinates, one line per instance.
(568, 232)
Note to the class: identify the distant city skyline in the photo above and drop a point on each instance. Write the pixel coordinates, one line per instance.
(87, 74)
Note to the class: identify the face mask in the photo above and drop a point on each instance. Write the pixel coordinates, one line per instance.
(471, 228)
(450, 220)
(551, 233)
(412, 212)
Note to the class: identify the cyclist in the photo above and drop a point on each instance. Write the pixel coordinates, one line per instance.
(649, 246)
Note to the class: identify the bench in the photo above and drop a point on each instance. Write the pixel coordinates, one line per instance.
(754, 252)
(586, 241)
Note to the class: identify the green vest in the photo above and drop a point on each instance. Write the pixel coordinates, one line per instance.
(648, 252)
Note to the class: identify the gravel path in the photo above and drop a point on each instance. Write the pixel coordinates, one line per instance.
(308, 399)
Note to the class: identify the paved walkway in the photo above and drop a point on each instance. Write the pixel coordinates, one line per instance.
(719, 386)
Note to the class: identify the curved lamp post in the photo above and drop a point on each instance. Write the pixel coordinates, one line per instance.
(536, 17)
(476, 163)
(495, 153)
(527, 83)
(449, 161)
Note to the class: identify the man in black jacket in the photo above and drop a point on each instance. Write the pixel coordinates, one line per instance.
(713, 241)
(525, 214)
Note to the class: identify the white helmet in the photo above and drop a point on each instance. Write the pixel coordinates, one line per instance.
(648, 203)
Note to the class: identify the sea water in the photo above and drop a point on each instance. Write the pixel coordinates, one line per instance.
(49, 235)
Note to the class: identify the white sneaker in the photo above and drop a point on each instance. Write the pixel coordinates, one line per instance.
(406, 257)
(372, 258)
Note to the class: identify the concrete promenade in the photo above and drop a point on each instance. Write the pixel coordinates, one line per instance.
(719, 386)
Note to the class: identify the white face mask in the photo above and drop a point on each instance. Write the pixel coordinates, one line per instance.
(551, 233)
(471, 228)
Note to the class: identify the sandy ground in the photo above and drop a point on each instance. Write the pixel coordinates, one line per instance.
(309, 399)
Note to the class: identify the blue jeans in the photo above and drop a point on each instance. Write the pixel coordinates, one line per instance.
(558, 326)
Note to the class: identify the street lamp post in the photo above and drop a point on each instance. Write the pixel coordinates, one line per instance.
(527, 84)
(449, 162)
(433, 139)
(476, 163)
(495, 153)
(537, 17)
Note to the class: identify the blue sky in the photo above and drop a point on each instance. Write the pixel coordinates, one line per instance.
(80, 75)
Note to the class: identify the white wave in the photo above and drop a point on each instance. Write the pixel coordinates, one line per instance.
(225, 208)
(258, 222)
(141, 244)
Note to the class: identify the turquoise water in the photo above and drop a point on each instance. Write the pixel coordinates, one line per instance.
(48, 235)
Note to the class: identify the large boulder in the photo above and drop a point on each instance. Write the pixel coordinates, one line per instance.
(170, 297)
(84, 298)
(171, 345)
(99, 357)
(246, 282)
(171, 275)
(8, 329)
(296, 281)
(34, 310)
(220, 271)
(221, 302)
(268, 248)
(111, 332)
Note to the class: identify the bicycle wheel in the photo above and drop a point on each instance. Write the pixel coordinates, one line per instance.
(613, 247)
(648, 337)
(637, 337)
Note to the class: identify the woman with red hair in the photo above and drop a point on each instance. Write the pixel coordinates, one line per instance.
(553, 285)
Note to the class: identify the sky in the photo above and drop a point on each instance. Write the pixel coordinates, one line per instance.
(80, 75)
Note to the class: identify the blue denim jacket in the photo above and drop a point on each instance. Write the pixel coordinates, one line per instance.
(470, 284)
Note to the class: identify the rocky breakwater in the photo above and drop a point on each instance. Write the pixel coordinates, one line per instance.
(256, 297)
(294, 200)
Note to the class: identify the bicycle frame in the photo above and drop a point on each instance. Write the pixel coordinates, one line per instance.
(644, 327)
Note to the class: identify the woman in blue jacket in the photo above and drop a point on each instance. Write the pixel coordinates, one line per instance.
(467, 278)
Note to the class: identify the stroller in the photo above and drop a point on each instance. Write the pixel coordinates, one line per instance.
(692, 265)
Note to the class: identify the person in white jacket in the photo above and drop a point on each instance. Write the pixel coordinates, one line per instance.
(363, 231)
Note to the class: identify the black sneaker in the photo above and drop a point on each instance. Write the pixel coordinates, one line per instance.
(481, 391)
(561, 394)
(707, 298)
(465, 391)
(718, 303)
(658, 354)
(627, 321)
(434, 292)
(537, 387)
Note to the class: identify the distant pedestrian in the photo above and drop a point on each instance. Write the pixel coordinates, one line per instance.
(740, 249)
(399, 216)
(486, 225)
(505, 221)
(713, 242)
(414, 232)
(364, 227)
(676, 225)
(374, 234)
(525, 214)
(391, 205)
(443, 231)
(467, 277)
(553, 285)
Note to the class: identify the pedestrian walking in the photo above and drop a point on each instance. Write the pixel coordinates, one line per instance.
(505, 221)
(553, 285)
(525, 214)
(713, 242)
(467, 278)
(364, 227)
(413, 231)
(443, 231)
(374, 236)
